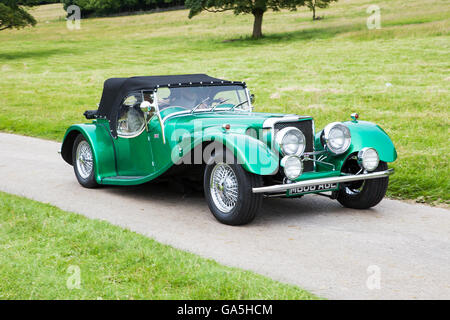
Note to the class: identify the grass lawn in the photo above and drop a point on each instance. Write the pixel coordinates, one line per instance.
(41, 248)
(397, 76)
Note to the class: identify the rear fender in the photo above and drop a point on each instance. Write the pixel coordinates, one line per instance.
(101, 144)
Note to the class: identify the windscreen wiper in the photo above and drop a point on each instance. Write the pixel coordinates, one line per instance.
(238, 105)
(198, 105)
(222, 102)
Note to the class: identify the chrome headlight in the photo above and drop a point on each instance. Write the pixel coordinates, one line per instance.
(291, 141)
(337, 137)
(368, 159)
(293, 167)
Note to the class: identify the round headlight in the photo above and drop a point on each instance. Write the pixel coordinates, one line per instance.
(337, 137)
(293, 167)
(291, 141)
(368, 159)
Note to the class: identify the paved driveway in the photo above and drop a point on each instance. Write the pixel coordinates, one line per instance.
(312, 242)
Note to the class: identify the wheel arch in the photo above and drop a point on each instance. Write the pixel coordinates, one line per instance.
(101, 144)
(364, 134)
(67, 145)
(254, 156)
(367, 134)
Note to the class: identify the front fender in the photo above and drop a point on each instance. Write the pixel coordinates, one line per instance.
(102, 147)
(366, 134)
(255, 156)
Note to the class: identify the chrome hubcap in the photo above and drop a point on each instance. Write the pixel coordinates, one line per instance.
(355, 188)
(224, 187)
(84, 159)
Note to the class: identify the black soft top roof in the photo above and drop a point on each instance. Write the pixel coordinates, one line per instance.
(116, 89)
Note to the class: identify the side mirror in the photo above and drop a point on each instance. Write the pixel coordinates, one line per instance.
(147, 107)
(252, 98)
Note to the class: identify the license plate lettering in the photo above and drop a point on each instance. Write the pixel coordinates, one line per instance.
(317, 187)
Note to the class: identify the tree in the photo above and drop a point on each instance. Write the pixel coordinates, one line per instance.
(95, 8)
(255, 7)
(313, 4)
(14, 16)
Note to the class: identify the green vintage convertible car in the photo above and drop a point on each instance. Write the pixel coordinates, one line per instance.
(204, 130)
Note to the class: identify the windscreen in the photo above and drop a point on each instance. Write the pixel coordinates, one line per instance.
(205, 97)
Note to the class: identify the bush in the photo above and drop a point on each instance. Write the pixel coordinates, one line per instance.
(37, 2)
(106, 7)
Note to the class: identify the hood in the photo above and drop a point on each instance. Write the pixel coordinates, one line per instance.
(237, 120)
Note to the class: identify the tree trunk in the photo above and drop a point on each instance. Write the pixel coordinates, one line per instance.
(257, 23)
(314, 12)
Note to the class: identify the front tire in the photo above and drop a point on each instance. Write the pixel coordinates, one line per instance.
(83, 162)
(228, 192)
(364, 194)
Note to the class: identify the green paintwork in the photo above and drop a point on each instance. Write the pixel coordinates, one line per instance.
(134, 155)
(130, 161)
(191, 130)
(367, 134)
(145, 157)
(318, 175)
(97, 134)
(364, 134)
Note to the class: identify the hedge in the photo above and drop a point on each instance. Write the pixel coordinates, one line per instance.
(107, 7)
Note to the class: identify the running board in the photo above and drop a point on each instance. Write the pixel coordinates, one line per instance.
(122, 180)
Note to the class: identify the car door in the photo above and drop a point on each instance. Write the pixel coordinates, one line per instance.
(133, 148)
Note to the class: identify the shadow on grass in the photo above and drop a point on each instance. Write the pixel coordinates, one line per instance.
(355, 30)
(299, 35)
(24, 54)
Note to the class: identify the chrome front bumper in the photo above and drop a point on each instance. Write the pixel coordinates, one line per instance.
(307, 183)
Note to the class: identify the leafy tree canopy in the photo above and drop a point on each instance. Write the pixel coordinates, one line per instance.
(107, 7)
(255, 7)
(12, 15)
(314, 4)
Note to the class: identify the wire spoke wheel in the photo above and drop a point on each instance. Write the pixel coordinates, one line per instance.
(362, 194)
(84, 161)
(224, 187)
(229, 190)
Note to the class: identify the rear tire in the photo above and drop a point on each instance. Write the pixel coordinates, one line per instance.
(364, 195)
(83, 162)
(228, 191)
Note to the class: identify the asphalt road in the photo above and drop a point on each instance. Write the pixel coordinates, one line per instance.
(394, 251)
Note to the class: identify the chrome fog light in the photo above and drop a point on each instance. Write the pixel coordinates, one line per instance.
(368, 159)
(293, 167)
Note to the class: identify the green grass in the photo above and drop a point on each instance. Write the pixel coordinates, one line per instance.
(326, 69)
(39, 242)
